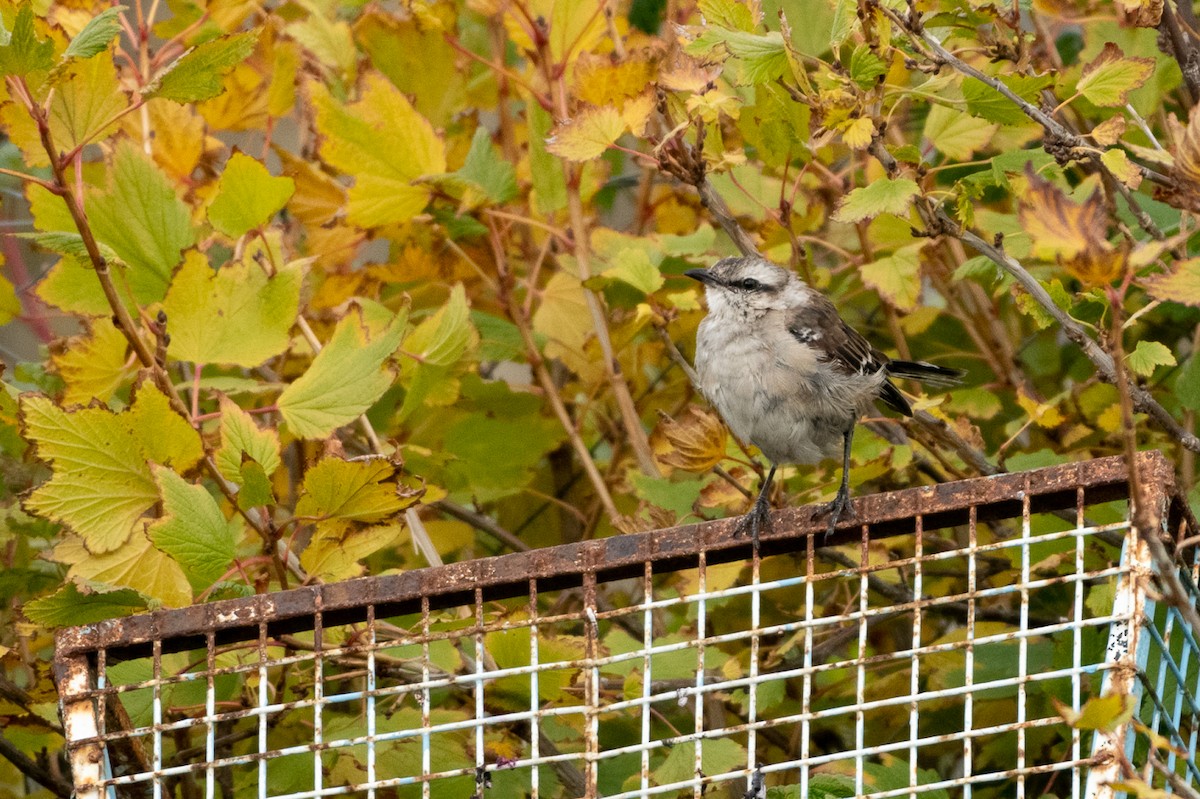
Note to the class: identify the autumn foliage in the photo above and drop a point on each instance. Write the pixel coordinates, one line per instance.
(327, 289)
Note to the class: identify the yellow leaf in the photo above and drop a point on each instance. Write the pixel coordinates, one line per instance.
(333, 554)
(330, 41)
(137, 564)
(588, 135)
(563, 317)
(178, 141)
(1122, 168)
(686, 73)
(575, 26)
(243, 104)
(84, 102)
(600, 81)
(1111, 76)
(385, 144)
(1109, 132)
(1043, 414)
(281, 96)
(1181, 284)
(94, 365)
(636, 112)
(710, 105)
(858, 132)
(318, 197)
(1070, 232)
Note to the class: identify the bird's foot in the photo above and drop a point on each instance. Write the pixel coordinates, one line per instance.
(836, 510)
(756, 520)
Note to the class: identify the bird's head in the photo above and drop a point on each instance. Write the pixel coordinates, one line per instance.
(749, 286)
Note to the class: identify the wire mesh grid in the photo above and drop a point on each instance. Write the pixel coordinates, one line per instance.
(931, 650)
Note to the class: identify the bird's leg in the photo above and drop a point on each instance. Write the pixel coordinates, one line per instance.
(759, 516)
(841, 503)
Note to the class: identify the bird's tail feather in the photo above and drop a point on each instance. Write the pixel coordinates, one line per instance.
(926, 372)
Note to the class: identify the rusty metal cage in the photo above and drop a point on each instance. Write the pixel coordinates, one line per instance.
(930, 650)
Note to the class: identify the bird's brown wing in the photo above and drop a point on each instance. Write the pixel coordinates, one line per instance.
(818, 325)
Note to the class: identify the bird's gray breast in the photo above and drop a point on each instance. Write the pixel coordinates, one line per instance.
(775, 391)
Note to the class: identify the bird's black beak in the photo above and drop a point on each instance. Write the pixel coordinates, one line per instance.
(703, 275)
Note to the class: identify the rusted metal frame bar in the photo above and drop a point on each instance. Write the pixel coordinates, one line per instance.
(700, 642)
(561, 567)
(1128, 643)
(73, 677)
(860, 662)
(914, 677)
(969, 657)
(1023, 642)
(1077, 642)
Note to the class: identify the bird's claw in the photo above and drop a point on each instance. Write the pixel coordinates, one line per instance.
(836, 509)
(758, 518)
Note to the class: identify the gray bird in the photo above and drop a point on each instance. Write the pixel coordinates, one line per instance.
(787, 374)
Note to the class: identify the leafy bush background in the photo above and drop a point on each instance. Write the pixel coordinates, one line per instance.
(261, 243)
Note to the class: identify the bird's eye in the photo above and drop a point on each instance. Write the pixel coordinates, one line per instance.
(750, 284)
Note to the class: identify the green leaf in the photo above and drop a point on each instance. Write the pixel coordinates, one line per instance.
(1187, 385)
(87, 100)
(21, 51)
(165, 436)
(142, 220)
(10, 305)
(491, 175)
(95, 36)
(360, 491)
(193, 530)
(845, 19)
(72, 287)
(549, 183)
(442, 339)
(865, 66)
(881, 197)
(100, 484)
(984, 101)
(196, 75)
(386, 145)
(955, 134)
(344, 380)
(897, 277)
(69, 606)
(718, 756)
(241, 439)
(70, 245)
(762, 56)
(633, 267)
(495, 457)
(728, 14)
(255, 487)
(255, 310)
(1111, 76)
(247, 196)
(1147, 356)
